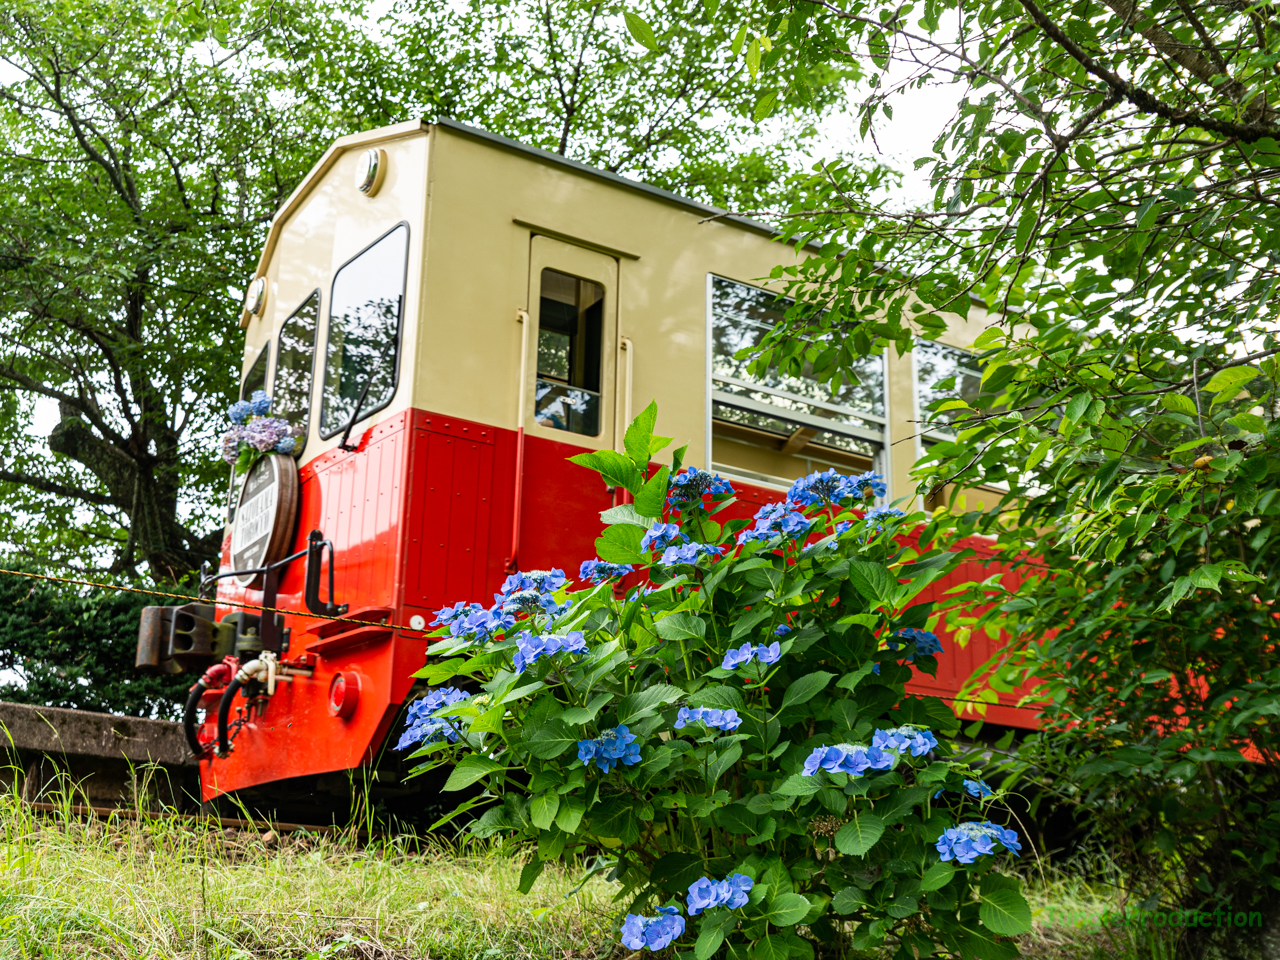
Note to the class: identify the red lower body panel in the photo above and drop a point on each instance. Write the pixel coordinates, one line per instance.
(420, 515)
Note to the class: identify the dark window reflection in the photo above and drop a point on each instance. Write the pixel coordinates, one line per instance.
(295, 353)
(945, 373)
(364, 328)
(256, 378)
(570, 334)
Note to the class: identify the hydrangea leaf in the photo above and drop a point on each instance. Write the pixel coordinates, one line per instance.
(624, 513)
(848, 899)
(806, 688)
(639, 433)
(529, 875)
(643, 703)
(653, 495)
(860, 834)
(872, 580)
(1003, 909)
(616, 469)
(471, 769)
(620, 543)
(787, 909)
(550, 740)
(681, 626)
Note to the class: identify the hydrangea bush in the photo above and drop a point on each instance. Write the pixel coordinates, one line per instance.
(254, 433)
(732, 732)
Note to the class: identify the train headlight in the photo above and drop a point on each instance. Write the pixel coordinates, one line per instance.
(255, 298)
(371, 167)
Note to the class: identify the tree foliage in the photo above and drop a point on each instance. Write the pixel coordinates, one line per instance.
(1103, 206)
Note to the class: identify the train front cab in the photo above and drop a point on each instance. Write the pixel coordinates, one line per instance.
(447, 316)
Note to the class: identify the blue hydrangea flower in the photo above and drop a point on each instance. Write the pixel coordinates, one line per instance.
(977, 788)
(876, 517)
(855, 759)
(610, 748)
(919, 740)
(731, 892)
(690, 485)
(422, 727)
(287, 445)
(775, 520)
(530, 647)
(660, 536)
(868, 485)
(781, 630)
(737, 658)
(447, 616)
(652, 933)
(598, 571)
(770, 654)
(537, 581)
(709, 716)
(821, 487)
(240, 411)
(843, 526)
(687, 554)
(965, 842)
(926, 643)
(260, 403)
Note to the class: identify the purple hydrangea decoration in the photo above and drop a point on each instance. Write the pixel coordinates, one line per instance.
(263, 433)
(231, 444)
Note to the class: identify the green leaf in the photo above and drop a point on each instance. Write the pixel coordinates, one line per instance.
(938, 875)
(772, 947)
(872, 580)
(764, 106)
(640, 430)
(580, 715)
(529, 875)
(1227, 383)
(616, 469)
(848, 899)
(645, 702)
(570, 814)
(860, 834)
(787, 909)
(643, 34)
(753, 57)
(1249, 422)
(620, 544)
(624, 513)
(748, 621)
(1003, 910)
(797, 785)
(435, 673)
(1077, 406)
(806, 688)
(681, 626)
(1178, 404)
(519, 693)
(550, 740)
(738, 40)
(850, 681)
(709, 939)
(543, 809)
(471, 769)
(653, 496)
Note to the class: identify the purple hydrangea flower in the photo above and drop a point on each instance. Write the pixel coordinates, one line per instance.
(691, 485)
(821, 487)
(231, 444)
(708, 716)
(775, 520)
(652, 933)
(687, 554)
(855, 759)
(737, 658)
(660, 536)
(965, 842)
(598, 571)
(707, 894)
(610, 748)
(919, 740)
(422, 727)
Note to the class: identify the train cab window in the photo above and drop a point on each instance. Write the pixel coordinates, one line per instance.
(570, 333)
(256, 378)
(295, 353)
(786, 422)
(362, 353)
(944, 373)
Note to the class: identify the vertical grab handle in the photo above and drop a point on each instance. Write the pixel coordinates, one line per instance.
(315, 560)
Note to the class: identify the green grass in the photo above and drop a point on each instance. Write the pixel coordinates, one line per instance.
(160, 888)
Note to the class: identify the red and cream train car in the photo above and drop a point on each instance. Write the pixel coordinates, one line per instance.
(446, 316)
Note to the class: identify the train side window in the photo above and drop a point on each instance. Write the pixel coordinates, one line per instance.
(362, 353)
(256, 378)
(570, 338)
(295, 355)
(944, 373)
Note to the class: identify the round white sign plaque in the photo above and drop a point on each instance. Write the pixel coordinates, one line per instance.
(265, 516)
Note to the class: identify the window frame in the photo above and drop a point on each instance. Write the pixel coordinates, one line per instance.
(537, 372)
(848, 427)
(268, 374)
(315, 352)
(328, 330)
(932, 433)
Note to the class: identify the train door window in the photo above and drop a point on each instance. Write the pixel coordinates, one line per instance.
(256, 378)
(786, 422)
(295, 356)
(944, 373)
(570, 340)
(362, 352)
